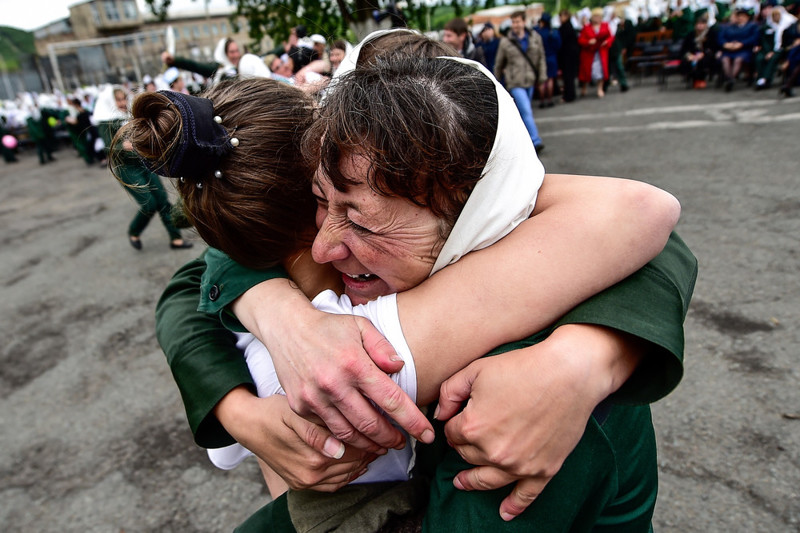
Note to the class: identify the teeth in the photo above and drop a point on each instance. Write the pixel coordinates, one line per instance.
(361, 277)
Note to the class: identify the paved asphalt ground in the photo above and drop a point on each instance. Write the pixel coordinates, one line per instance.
(93, 433)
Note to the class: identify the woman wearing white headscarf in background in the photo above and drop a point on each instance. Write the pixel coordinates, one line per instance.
(230, 62)
(773, 48)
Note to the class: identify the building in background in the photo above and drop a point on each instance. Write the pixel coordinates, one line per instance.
(112, 41)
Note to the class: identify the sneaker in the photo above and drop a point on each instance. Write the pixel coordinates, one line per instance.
(699, 84)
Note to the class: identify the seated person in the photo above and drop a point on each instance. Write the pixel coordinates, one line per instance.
(698, 53)
(737, 40)
(771, 52)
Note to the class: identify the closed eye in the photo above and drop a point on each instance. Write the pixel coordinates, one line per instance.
(359, 229)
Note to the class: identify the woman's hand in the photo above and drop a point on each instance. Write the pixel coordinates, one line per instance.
(528, 408)
(331, 366)
(304, 454)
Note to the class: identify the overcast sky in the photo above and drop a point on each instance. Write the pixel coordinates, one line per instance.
(32, 14)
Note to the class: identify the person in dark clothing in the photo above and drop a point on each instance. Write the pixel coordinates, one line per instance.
(792, 40)
(568, 55)
(489, 41)
(624, 39)
(36, 131)
(698, 53)
(737, 41)
(79, 126)
(456, 34)
(552, 44)
(8, 151)
(394, 13)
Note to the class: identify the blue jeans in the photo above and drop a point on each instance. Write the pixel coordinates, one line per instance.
(522, 97)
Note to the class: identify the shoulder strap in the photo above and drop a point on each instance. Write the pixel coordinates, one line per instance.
(528, 59)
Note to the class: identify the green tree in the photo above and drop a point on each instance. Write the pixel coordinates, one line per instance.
(275, 18)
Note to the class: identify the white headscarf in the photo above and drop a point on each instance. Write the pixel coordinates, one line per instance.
(252, 66)
(105, 106)
(221, 57)
(786, 21)
(506, 194)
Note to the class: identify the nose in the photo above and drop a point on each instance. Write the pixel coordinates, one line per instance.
(328, 245)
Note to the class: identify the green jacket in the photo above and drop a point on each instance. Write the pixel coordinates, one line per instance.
(206, 365)
(610, 481)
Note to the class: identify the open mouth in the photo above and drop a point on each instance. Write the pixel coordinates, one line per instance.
(361, 277)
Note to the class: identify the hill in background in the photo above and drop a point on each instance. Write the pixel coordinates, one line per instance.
(14, 45)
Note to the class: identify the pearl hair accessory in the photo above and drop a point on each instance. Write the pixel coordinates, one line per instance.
(218, 174)
(234, 142)
(182, 180)
(199, 185)
(218, 119)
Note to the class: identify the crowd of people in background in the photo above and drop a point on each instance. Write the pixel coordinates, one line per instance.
(541, 60)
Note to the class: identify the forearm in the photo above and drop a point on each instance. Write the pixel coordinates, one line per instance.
(586, 234)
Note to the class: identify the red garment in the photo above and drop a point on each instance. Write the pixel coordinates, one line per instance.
(603, 43)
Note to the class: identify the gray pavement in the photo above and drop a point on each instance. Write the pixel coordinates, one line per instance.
(93, 433)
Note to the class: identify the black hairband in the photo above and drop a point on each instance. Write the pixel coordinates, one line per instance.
(204, 140)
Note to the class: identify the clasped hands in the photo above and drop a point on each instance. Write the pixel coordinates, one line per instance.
(525, 410)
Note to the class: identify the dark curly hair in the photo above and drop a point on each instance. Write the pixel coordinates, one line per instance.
(427, 126)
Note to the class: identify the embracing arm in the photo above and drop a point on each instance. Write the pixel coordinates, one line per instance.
(587, 233)
(218, 393)
(530, 278)
(541, 395)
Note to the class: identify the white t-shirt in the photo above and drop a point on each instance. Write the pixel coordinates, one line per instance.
(395, 465)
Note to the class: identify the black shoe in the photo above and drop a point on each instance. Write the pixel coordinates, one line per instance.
(551, 104)
(728, 86)
(180, 246)
(623, 88)
(539, 148)
(136, 243)
(542, 105)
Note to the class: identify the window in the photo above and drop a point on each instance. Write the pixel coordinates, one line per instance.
(195, 32)
(154, 38)
(95, 14)
(214, 30)
(187, 34)
(111, 10)
(129, 8)
(224, 30)
(206, 31)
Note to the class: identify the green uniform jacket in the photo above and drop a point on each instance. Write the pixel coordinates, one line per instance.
(610, 481)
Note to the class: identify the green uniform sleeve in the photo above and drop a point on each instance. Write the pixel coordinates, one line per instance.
(650, 304)
(201, 353)
(204, 69)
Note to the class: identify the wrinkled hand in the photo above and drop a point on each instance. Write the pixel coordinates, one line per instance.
(332, 367)
(302, 453)
(526, 411)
